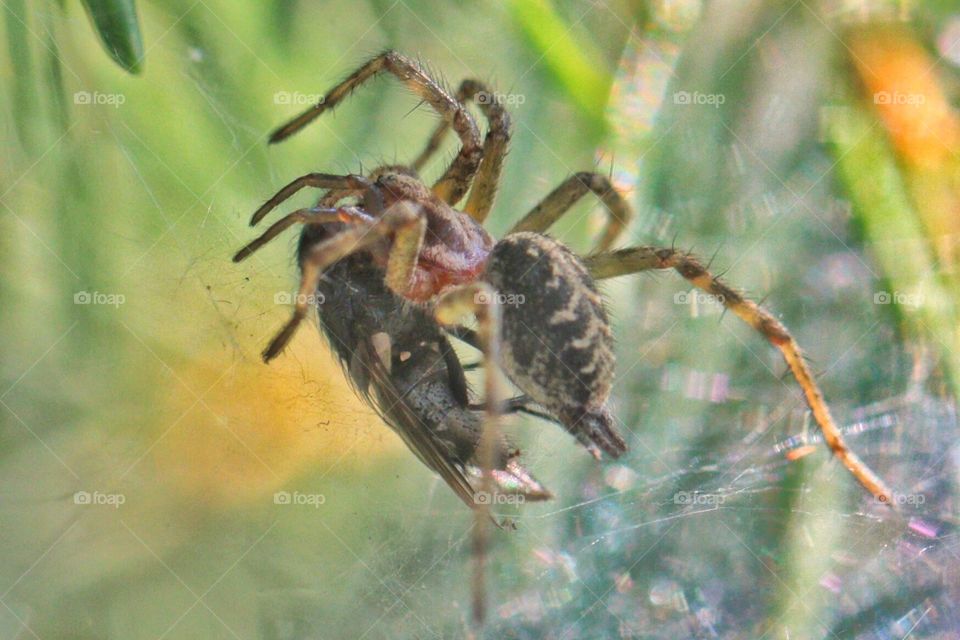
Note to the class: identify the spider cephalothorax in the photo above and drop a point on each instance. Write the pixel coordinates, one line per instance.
(540, 316)
(454, 247)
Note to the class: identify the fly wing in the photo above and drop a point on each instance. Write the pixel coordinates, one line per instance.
(392, 407)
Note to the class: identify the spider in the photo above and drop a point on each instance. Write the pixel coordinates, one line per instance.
(438, 265)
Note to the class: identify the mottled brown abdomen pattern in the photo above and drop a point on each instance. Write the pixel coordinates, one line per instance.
(557, 344)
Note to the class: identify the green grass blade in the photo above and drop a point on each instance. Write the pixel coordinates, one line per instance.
(119, 30)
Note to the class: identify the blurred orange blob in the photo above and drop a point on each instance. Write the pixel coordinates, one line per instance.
(800, 452)
(902, 82)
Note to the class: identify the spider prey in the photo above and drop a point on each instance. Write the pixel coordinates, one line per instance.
(401, 361)
(556, 347)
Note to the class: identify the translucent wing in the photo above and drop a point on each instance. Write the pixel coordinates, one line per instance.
(392, 407)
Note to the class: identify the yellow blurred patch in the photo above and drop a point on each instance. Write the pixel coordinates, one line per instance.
(255, 426)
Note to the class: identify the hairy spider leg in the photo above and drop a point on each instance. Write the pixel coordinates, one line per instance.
(455, 181)
(636, 259)
(480, 300)
(315, 215)
(485, 184)
(567, 194)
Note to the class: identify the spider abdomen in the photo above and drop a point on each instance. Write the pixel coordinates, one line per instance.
(557, 344)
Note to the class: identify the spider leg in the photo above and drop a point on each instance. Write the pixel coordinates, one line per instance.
(436, 138)
(401, 222)
(479, 299)
(456, 180)
(521, 404)
(409, 226)
(316, 215)
(320, 181)
(561, 199)
(484, 189)
(636, 259)
(333, 196)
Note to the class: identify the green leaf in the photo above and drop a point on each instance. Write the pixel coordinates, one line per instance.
(23, 80)
(119, 30)
(575, 63)
(867, 167)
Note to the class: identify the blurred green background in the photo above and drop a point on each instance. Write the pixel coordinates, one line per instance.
(809, 148)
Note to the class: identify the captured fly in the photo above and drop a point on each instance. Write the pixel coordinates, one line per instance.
(402, 363)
